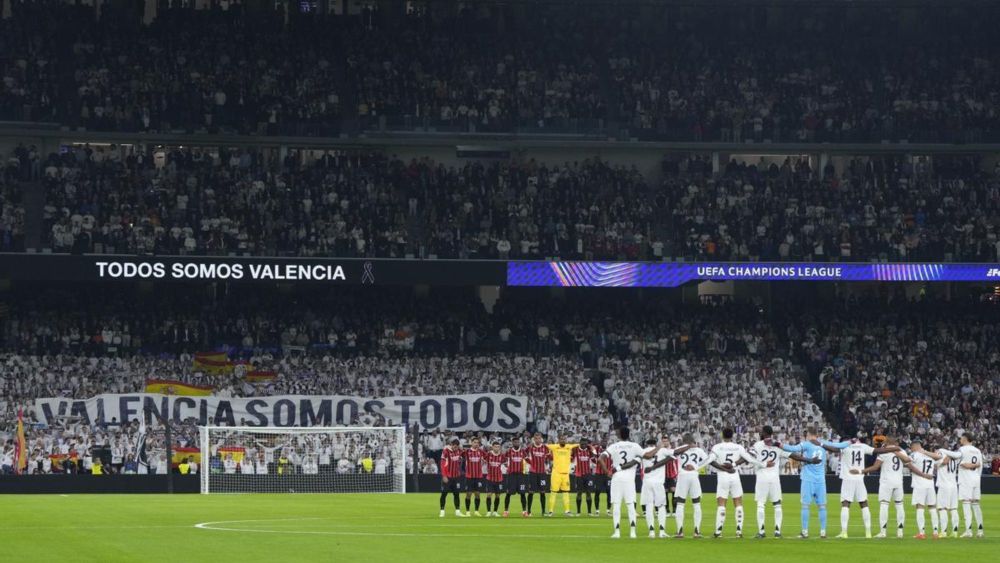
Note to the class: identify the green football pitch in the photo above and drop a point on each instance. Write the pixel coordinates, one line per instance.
(368, 528)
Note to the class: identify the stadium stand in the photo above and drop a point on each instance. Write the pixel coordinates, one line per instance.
(749, 79)
(907, 369)
(368, 204)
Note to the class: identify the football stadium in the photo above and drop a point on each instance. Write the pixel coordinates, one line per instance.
(554, 280)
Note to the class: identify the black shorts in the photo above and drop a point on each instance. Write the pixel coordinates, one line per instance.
(454, 485)
(515, 483)
(669, 483)
(474, 485)
(493, 486)
(601, 484)
(538, 483)
(586, 484)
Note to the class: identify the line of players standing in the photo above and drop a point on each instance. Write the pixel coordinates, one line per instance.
(519, 470)
(477, 471)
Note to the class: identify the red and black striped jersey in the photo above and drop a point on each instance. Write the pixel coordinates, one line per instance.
(474, 463)
(598, 469)
(494, 466)
(671, 469)
(515, 460)
(451, 463)
(584, 459)
(537, 456)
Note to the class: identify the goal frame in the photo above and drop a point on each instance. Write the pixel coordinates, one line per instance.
(204, 444)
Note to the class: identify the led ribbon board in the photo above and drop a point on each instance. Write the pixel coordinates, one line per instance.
(673, 274)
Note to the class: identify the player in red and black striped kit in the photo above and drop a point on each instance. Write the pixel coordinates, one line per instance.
(584, 460)
(670, 485)
(474, 459)
(495, 461)
(452, 458)
(515, 482)
(601, 481)
(539, 456)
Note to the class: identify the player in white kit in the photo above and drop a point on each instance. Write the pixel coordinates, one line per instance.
(923, 489)
(890, 486)
(688, 486)
(947, 488)
(768, 487)
(729, 454)
(654, 476)
(970, 474)
(624, 456)
(852, 482)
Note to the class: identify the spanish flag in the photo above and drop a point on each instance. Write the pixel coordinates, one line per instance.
(179, 454)
(213, 362)
(21, 447)
(236, 452)
(170, 387)
(59, 460)
(257, 376)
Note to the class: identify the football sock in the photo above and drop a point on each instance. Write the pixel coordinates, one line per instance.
(720, 518)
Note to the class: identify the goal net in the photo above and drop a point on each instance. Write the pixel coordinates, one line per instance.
(302, 460)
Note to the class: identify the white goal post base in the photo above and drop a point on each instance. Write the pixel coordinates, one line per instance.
(250, 459)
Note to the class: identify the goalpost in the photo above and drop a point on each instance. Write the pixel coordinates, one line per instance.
(244, 459)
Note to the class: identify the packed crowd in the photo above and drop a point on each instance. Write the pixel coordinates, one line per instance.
(366, 204)
(918, 370)
(88, 321)
(109, 201)
(877, 365)
(11, 217)
(701, 75)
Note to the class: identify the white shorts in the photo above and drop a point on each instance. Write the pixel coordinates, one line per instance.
(688, 487)
(947, 497)
(924, 496)
(767, 491)
(653, 493)
(853, 491)
(967, 492)
(622, 490)
(890, 492)
(729, 488)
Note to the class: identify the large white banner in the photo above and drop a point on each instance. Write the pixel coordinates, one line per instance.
(487, 411)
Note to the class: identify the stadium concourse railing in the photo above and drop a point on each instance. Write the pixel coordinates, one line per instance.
(50, 136)
(191, 484)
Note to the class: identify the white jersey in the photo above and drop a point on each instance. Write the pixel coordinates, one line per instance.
(658, 475)
(853, 457)
(621, 453)
(947, 469)
(765, 454)
(891, 472)
(729, 453)
(970, 477)
(694, 456)
(926, 464)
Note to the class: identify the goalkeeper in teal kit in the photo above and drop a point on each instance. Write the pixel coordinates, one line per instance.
(813, 480)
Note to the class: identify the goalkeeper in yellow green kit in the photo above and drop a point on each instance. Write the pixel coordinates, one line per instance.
(562, 455)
